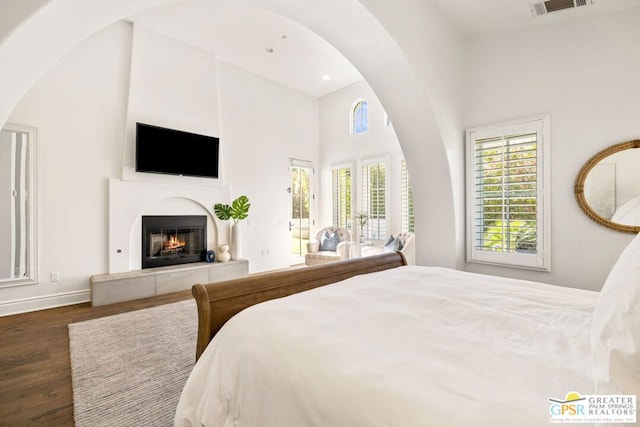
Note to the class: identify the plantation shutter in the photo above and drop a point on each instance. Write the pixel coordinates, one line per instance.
(341, 193)
(407, 222)
(506, 199)
(506, 196)
(374, 200)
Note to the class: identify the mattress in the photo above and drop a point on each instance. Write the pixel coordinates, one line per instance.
(409, 346)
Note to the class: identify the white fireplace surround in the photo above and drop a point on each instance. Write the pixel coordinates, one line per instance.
(130, 200)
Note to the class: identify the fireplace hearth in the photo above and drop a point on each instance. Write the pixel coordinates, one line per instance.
(173, 239)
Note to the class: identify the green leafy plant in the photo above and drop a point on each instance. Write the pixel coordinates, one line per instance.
(362, 218)
(528, 239)
(238, 210)
(522, 236)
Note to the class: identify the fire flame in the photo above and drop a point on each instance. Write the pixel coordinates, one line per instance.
(174, 243)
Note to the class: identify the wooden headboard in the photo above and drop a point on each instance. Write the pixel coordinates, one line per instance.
(218, 302)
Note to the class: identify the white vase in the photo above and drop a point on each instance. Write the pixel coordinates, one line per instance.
(223, 253)
(235, 241)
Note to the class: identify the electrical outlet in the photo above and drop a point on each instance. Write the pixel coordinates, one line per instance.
(54, 276)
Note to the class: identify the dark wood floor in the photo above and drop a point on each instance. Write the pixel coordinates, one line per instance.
(35, 372)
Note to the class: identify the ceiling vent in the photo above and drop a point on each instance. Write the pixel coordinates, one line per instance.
(544, 7)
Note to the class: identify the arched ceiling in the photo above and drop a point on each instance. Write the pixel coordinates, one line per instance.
(409, 80)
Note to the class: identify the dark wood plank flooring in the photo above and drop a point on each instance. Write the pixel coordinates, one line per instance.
(35, 372)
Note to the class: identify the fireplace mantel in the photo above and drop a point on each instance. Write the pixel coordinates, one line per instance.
(130, 200)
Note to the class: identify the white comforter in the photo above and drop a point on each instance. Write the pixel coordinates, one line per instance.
(411, 346)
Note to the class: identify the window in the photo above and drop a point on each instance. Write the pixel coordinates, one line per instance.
(407, 218)
(359, 117)
(18, 263)
(301, 202)
(508, 215)
(341, 195)
(374, 199)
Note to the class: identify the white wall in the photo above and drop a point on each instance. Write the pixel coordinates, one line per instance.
(435, 51)
(12, 16)
(586, 76)
(79, 109)
(172, 85)
(83, 108)
(35, 34)
(338, 146)
(263, 124)
(582, 72)
(414, 61)
(424, 94)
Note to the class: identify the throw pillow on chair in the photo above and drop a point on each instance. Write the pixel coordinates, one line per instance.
(329, 241)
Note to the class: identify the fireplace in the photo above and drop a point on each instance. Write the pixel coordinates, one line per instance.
(171, 240)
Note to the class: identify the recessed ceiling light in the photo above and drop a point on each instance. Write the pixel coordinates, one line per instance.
(326, 77)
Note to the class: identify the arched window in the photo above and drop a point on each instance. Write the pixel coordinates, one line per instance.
(359, 117)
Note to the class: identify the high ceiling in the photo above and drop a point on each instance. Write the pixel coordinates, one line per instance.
(476, 18)
(286, 52)
(257, 40)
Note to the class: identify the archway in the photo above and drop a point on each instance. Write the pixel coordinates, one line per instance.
(33, 44)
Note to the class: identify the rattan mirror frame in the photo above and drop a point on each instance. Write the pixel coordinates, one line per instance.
(578, 188)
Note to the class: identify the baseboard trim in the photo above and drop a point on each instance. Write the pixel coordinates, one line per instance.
(25, 305)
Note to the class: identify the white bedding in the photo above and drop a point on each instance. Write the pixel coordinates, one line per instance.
(628, 213)
(410, 346)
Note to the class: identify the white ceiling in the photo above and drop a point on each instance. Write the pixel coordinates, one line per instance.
(242, 35)
(482, 17)
(286, 52)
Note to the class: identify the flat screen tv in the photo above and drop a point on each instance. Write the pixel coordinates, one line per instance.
(174, 152)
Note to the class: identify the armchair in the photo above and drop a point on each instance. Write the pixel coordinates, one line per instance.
(330, 244)
(403, 242)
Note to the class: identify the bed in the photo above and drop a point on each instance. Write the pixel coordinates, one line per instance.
(628, 213)
(374, 342)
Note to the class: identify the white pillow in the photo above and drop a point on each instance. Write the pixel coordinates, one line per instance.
(615, 333)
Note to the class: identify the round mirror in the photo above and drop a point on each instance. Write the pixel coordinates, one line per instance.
(608, 187)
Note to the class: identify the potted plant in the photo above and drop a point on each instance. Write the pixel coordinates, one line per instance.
(362, 219)
(237, 211)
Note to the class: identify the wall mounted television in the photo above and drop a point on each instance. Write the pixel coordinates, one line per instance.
(174, 152)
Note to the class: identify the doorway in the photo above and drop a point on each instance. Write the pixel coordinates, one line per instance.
(301, 203)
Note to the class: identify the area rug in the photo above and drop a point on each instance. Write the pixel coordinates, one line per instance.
(129, 369)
